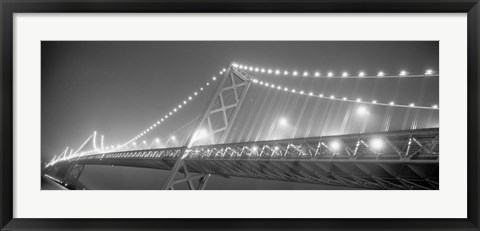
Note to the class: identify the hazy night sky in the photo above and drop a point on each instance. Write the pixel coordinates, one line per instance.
(121, 88)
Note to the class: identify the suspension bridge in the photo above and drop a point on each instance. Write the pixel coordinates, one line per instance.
(237, 135)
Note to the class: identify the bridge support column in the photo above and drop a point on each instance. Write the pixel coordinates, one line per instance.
(223, 105)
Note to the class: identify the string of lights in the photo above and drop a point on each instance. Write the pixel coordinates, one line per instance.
(345, 99)
(333, 75)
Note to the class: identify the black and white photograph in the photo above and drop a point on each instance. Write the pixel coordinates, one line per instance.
(240, 115)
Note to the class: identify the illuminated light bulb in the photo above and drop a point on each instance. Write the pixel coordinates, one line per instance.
(434, 106)
(220, 72)
(330, 74)
(376, 144)
(332, 97)
(201, 89)
(158, 122)
(144, 142)
(266, 84)
(170, 113)
(310, 94)
(305, 73)
(285, 72)
(273, 86)
(214, 78)
(293, 90)
(241, 66)
(157, 140)
(344, 98)
(361, 74)
(148, 129)
(174, 138)
(359, 100)
(301, 92)
(362, 110)
(250, 69)
(277, 72)
(155, 124)
(166, 116)
(189, 98)
(184, 102)
(279, 87)
(335, 145)
(380, 74)
(161, 120)
(283, 121)
(269, 71)
(411, 105)
(254, 149)
(321, 95)
(295, 73)
(134, 143)
(174, 110)
(179, 106)
(317, 74)
(428, 72)
(208, 83)
(256, 69)
(403, 73)
(285, 89)
(392, 103)
(374, 101)
(195, 93)
(344, 74)
(276, 148)
(223, 70)
(263, 70)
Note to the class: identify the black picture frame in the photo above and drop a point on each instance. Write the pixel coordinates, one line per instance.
(9, 7)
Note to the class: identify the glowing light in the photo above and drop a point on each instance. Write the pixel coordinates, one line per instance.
(362, 111)
(361, 74)
(374, 101)
(321, 95)
(276, 148)
(189, 98)
(269, 71)
(305, 73)
(144, 142)
(317, 74)
(272, 86)
(175, 110)
(344, 98)
(283, 121)
(359, 100)
(208, 83)
(434, 106)
(201, 89)
(261, 82)
(428, 72)
(310, 94)
(335, 145)
(251, 68)
(277, 72)
(170, 113)
(184, 102)
(293, 90)
(344, 74)
(380, 74)
(403, 73)
(295, 73)
(376, 144)
(179, 106)
(254, 149)
(279, 87)
(173, 138)
(285, 89)
(214, 78)
(266, 84)
(392, 103)
(330, 74)
(200, 134)
(256, 69)
(332, 97)
(134, 143)
(301, 92)
(195, 93)
(263, 70)
(285, 72)
(411, 105)
(157, 140)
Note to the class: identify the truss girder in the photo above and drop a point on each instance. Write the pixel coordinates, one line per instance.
(408, 160)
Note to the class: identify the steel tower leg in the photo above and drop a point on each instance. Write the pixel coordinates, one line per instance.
(232, 83)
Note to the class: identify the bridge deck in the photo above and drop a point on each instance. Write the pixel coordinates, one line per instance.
(406, 160)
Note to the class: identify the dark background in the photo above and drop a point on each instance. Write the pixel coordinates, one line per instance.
(121, 88)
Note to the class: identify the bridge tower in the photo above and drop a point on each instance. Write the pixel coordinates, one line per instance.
(218, 117)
